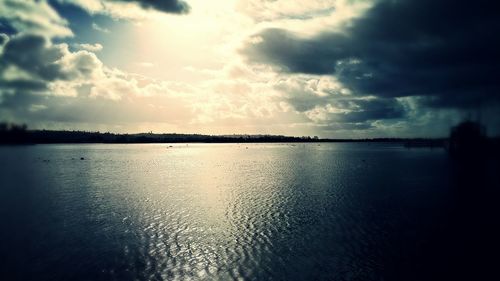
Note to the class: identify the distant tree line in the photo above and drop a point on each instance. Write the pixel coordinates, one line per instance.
(19, 134)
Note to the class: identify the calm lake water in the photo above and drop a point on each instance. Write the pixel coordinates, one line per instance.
(339, 211)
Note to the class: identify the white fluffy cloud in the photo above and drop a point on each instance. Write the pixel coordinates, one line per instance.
(306, 18)
(97, 27)
(131, 9)
(271, 10)
(89, 47)
(61, 72)
(46, 83)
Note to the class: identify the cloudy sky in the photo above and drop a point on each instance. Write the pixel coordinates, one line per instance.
(332, 68)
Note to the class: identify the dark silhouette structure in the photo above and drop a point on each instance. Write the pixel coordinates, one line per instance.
(467, 139)
(13, 133)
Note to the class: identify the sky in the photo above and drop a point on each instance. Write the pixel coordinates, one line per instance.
(331, 68)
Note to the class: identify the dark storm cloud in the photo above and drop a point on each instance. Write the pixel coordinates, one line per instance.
(18, 101)
(31, 53)
(167, 6)
(359, 114)
(356, 110)
(445, 50)
(24, 85)
(366, 110)
(37, 56)
(347, 126)
(304, 96)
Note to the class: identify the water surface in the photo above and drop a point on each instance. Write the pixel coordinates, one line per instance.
(338, 211)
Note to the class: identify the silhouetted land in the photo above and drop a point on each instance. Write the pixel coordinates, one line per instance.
(465, 137)
(19, 134)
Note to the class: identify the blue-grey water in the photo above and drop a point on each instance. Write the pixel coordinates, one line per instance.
(329, 211)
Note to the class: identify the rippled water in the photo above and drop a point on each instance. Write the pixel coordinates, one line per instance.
(224, 211)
